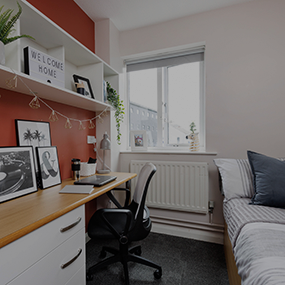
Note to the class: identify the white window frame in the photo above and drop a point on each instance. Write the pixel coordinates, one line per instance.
(161, 120)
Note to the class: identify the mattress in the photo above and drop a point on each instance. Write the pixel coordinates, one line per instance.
(257, 234)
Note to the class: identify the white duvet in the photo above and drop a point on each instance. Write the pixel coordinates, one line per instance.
(260, 254)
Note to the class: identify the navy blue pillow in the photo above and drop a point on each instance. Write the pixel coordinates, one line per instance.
(269, 180)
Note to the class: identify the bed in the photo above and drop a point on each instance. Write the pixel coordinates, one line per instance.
(254, 212)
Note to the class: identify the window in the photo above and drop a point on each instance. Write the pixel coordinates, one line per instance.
(170, 90)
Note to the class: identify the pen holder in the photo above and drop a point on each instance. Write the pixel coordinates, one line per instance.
(87, 169)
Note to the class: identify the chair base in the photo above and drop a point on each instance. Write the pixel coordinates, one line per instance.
(124, 255)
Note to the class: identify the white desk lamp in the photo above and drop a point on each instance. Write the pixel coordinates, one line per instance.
(104, 144)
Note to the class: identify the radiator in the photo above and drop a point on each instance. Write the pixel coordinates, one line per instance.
(180, 186)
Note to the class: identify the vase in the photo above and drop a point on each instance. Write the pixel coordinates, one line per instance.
(2, 53)
(194, 145)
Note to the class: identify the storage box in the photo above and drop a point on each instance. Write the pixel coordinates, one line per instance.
(87, 169)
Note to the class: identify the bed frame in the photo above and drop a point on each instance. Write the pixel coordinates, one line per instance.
(234, 278)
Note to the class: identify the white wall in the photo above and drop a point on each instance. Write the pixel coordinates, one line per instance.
(102, 39)
(245, 85)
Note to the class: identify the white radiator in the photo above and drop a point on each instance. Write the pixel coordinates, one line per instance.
(180, 186)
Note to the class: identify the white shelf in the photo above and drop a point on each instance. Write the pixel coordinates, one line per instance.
(78, 59)
(46, 91)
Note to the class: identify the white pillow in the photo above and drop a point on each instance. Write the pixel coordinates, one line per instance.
(237, 178)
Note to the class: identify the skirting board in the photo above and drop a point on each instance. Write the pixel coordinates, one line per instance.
(205, 232)
(199, 231)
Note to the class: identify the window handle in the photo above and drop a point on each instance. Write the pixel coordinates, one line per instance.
(62, 230)
(71, 260)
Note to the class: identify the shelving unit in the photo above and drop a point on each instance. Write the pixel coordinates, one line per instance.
(53, 40)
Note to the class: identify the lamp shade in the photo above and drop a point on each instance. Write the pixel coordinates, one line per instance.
(105, 142)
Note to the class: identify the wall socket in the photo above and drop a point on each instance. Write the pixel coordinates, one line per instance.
(91, 140)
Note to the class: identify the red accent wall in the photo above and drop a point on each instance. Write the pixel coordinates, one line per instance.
(70, 17)
(71, 143)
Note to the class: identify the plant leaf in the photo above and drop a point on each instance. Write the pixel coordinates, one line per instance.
(6, 25)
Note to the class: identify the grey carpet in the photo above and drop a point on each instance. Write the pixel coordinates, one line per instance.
(184, 262)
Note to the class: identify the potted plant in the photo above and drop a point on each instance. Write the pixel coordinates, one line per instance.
(7, 22)
(192, 128)
(114, 100)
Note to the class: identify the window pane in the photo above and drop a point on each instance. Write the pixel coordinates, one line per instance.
(183, 101)
(143, 102)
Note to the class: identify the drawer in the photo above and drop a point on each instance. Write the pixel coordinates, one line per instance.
(79, 278)
(24, 252)
(59, 266)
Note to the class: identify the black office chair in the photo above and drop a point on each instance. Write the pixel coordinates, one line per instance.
(126, 224)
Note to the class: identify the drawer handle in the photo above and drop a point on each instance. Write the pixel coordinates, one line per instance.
(72, 260)
(62, 230)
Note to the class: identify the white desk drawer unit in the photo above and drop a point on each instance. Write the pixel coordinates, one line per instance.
(52, 254)
(58, 266)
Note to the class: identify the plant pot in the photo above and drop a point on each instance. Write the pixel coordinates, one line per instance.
(2, 53)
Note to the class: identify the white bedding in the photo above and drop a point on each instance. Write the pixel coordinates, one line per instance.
(238, 213)
(260, 254)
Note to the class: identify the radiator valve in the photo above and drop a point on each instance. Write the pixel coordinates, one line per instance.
(211, 206)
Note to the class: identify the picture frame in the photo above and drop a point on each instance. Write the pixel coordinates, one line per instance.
(138, 140)
(87, 92)
(48, 165)
(17, 172)
(33, 133)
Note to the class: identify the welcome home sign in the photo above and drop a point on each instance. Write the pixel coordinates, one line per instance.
(43, 67)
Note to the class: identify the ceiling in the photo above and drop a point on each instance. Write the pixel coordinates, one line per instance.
(131, 14)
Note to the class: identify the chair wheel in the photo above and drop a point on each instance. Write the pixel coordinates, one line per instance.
(102, 254)
(89, 277)
(157, 274)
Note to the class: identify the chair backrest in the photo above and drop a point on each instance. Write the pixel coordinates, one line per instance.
(143, 181)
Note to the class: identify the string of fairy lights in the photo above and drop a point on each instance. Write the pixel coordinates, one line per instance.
(35, 104)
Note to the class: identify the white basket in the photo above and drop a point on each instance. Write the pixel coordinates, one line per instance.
(87, 169)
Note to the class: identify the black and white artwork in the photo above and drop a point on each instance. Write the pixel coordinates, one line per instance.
(49, 174)
(33, 133)
(17, 172)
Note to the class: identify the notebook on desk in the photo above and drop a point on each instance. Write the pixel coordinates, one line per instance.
(75, 189)
(95, 180)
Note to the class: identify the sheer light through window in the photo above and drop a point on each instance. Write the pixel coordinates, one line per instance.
(166, 94)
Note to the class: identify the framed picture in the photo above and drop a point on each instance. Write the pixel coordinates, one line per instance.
(138, 140)
(84, 82)
(33, 133)
(49, 174)
(17, 172)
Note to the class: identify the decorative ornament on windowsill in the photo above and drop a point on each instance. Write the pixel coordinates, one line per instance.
(6, 28)
(194, 137)
(114, 99)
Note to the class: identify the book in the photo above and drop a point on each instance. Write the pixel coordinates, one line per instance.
(77, 189)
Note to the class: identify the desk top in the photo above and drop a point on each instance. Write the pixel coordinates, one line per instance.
(22, 215)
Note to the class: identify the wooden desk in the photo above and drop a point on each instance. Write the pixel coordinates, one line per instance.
(42, 235)
(22, 215)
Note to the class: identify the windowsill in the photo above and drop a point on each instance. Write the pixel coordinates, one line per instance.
(169, 151)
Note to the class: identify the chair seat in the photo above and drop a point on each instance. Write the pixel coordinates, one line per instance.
(97, 227)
